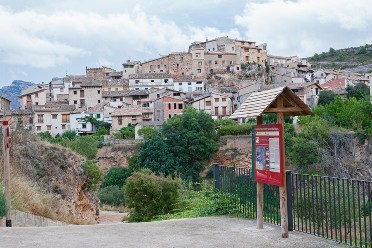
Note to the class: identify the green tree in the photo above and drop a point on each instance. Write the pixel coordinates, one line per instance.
(2, 202)
(69, 134)
(326, 97)
(116, 176)
(147, 132)
(94, 175)
(316, 57)
(126, 132)
(362, 50)
(332, 52)
(184, 145)
(359, 91)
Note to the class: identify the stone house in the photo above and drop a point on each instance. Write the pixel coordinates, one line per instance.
(52, 118)
(35, 95)
(218, 105)
(122, 117)
(166, 92)
(131, 67)
(115, 84)
(219, 62)
(98, 73)
(59, 89)
(4, 103)
(166, 107)
(91, 93)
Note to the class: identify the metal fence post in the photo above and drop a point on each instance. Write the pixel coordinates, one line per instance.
(216, 176)
(289, 199)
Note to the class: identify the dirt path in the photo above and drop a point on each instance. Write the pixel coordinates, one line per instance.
(110, 217)
(214, 232)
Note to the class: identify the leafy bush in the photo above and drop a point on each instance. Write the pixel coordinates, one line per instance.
(126, 132)
(45, 135)
(111, 195)
(244, 129)
(149, 195)
(304, 152)
(71, 135)
(116, 176)
(94, 174)
(147, 132)
(326, 97)
(85, 145)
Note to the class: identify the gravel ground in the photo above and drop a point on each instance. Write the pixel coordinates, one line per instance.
(200, 232)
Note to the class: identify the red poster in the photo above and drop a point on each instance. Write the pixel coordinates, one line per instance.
(268, 154)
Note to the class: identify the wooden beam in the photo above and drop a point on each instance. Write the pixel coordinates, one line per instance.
(283, 190)
(260, 191)
(283, 110)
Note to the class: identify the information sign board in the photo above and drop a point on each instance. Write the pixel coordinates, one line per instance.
(268, 154)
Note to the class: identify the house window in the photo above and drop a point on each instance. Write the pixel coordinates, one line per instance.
(84, 125)
(216, 62)
(99, 101)
(65, 117)
(223, 62)
(200, 63)
(180, 106)
(63, 126)
(98, 91)
(82, 93)
(49, 127)
(116, 89)
(36, 95)
(54, 116)
(120, 121)
(38, 128)
(224, 99)
(198, 70)
(82, 102)
(40, 118)
(199, 88)
(169, 106)
(207, 103)
(152, 80)
(121, 99)
(36, 103)
(215, 110)
(166, 80)
(170, 116)
(189, 83)
(220, 56)
(98, 116)
(216, 99)
(197, 55)
(136, 81)
(75, 102)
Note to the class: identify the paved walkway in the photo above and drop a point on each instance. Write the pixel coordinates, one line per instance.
(200, 232)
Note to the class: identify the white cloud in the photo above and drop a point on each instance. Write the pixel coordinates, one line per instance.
(307, 26)
(49, 40)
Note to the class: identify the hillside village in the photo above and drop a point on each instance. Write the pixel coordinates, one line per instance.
(215, 76)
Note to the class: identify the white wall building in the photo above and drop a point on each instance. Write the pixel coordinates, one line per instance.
(188, 84)
(79, 124)
(146, 81)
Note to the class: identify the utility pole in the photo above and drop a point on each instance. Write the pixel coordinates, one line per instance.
(6, 146)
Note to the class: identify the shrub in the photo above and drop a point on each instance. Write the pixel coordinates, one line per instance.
(94, 174)
(111, 195)
(116, 176)
(71, 135)
(85, 145)
(304, 152)
(244, 129)
(149, 195)
(147, 132)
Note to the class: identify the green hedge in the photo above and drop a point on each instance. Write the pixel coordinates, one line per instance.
(149, 195)
(111, 195)
(244, 129)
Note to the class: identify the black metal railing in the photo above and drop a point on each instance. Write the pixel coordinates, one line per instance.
(334, 208)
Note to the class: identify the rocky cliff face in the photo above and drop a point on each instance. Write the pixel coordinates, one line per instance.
(58, 171)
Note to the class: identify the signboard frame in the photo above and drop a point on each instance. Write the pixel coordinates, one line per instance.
(268, 154)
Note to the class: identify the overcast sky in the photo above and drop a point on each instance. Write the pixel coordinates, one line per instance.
(41, 39)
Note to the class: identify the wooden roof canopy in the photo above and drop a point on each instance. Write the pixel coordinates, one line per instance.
(266, 101)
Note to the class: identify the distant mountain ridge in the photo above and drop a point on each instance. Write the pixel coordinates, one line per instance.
(13, 91)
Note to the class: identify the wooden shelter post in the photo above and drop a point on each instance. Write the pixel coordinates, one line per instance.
(260, 192)
(283, 189)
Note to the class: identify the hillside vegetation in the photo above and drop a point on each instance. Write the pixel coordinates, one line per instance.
(358, 58)
(50, 181)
